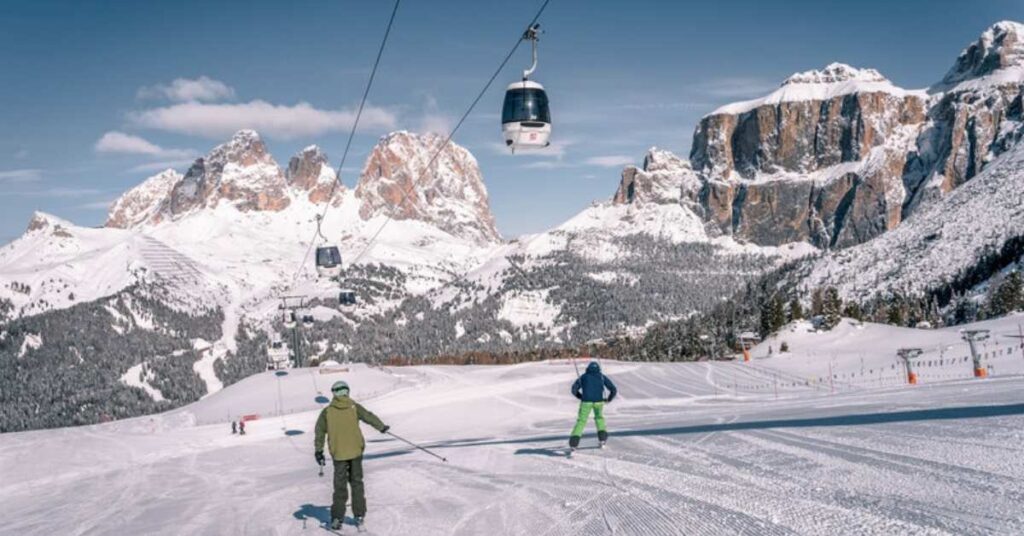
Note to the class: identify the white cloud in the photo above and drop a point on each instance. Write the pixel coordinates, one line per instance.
(119, 142)
(97, 205)
(434, 120)
(202, 89)
(161, 165)
(58, 191)
(21, 175)
(549, 164)
(218, 121)
(611, 161)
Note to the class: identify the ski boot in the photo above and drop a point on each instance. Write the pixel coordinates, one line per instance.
(360, 524)
(574, 441)
(602, 438)
(336, 524)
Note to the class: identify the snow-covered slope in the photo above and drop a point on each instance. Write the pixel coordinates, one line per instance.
(57, 264)
(236, 232)
(940, 242)
(767, 447)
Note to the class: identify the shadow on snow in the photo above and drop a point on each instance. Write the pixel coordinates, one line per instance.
(860, 419)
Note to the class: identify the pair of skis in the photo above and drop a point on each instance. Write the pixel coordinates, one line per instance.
(360, 527)
(572, 450)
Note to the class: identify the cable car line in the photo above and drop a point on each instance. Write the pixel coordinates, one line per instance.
(348, 144)
(448, 139)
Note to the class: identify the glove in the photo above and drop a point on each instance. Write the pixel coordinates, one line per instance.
(609, 399)
(578, 396)
(385, 429)
(319, 455)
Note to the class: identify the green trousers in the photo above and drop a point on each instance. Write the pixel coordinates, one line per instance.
(584, 414)
(346, 473)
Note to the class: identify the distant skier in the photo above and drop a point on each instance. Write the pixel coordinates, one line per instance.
(241, 427)
(234, 427)
(339, 422)
(589, 388)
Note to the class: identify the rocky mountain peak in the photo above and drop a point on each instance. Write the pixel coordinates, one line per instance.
(43, 222)
(999, 47)
(661, 160)
(310, 171)
(245, 148)
(835, 73)
(142, 203)
(449, 194)
(239, 171)
(664, 179)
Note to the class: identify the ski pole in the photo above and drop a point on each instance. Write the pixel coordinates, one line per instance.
(321, 469)
(443, 459)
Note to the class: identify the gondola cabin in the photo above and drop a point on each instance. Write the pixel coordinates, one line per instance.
(328, 261)
(526, 116)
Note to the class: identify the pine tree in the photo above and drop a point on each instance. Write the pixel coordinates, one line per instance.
(853, 310)
(817, 303)
(832, 308)
(796, 311)
(778, 313)
(895, 312)
(1007, 296)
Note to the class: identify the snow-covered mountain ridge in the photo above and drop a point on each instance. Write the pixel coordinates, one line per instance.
(832, 159)
(839, 156)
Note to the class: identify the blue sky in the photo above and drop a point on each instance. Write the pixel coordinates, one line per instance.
(90, 107)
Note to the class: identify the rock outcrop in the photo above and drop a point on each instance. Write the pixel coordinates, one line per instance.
(240, 172)
(449, 193)
(975, 114)
(309, 171)
(664, 178)
(143, 202)
(818, 160)
(839, 156)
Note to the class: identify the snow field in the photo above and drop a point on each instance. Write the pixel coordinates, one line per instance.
(696, 448)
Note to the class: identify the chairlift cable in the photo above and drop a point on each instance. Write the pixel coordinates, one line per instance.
(448, 139)
(351, 135)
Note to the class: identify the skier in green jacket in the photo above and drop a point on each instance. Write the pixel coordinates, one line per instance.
(339, 422)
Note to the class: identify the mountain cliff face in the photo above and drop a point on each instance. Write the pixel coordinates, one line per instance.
(839, 156)
(664, 178)
(240, 172)
(818, 160)
(142, 203)
(450, 193)
(975, 114)
(310, 171)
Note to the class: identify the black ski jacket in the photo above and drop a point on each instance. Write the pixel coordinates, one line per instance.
(591, 385)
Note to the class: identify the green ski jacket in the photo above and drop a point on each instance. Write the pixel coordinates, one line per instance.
(339, 422)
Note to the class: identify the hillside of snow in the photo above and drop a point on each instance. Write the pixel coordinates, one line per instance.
(771, 446)
(938, 243)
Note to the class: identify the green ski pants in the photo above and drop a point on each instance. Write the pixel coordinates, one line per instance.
(346, 473)
(584, 414)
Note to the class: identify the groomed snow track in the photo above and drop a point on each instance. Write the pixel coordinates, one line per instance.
(169, 264)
